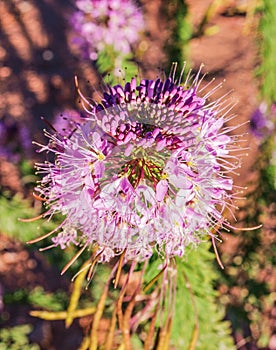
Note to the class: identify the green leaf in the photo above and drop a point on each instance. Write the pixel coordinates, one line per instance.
(197, 304)
(267, 44)
(38, 298)
(15, 208)
(16, 338)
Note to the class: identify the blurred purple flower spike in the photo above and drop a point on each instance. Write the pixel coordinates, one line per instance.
(99, 24)
(15, 140)
(262, 121)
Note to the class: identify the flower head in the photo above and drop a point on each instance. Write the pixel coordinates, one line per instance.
(106, 23)
(148, 170)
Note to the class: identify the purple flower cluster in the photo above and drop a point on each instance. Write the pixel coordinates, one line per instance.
(14, 139)
(262, 121)
(149, 170)
(99, 24)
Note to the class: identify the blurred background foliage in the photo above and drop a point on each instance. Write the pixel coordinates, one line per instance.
(232, 308)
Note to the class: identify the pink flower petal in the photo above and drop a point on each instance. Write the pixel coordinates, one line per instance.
(161, 190)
